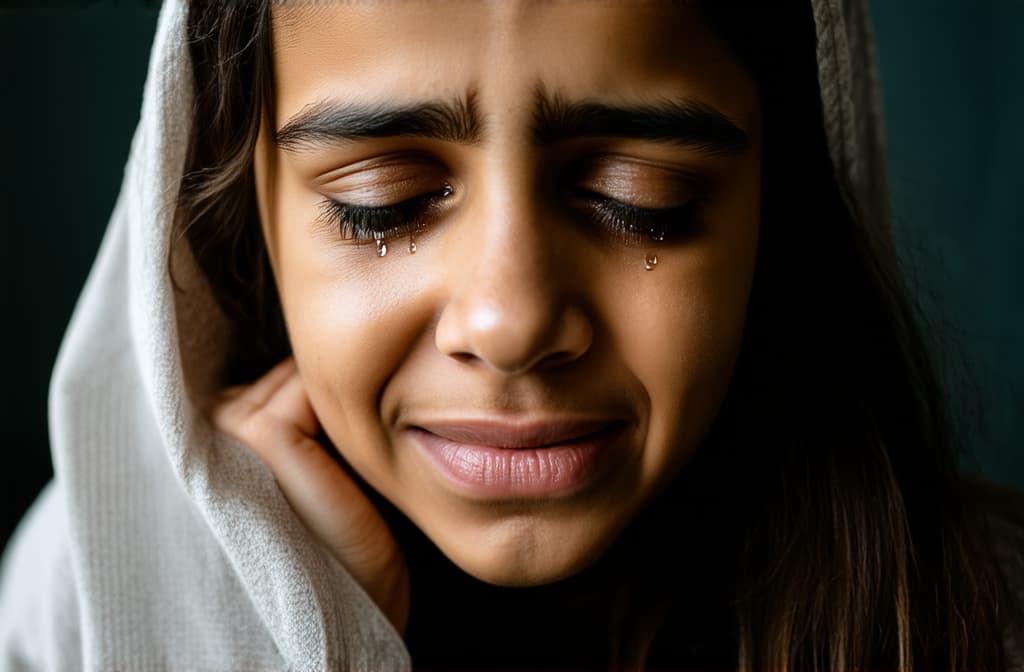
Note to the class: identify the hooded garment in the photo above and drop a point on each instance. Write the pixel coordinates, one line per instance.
(160, 544)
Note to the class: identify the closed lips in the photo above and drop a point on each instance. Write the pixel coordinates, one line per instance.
(518, 435)
(497, 460)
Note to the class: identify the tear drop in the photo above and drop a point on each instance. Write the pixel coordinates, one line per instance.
(650, 261)
(382, 247)
(446, 189)
(412, 246)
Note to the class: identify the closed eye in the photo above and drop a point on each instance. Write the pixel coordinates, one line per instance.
(635, 225)
(631, 224)
(367, 223)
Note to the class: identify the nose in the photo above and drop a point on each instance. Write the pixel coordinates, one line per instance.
(514, 306)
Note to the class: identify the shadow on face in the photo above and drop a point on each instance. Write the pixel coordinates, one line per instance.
(514, 245)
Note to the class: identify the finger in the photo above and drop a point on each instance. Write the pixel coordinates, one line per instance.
(260, 392)
(235, 405)
(342, 518)
(328, 501)
(291, 402)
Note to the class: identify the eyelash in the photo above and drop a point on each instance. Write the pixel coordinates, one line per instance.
(365, 223)
(630, 223)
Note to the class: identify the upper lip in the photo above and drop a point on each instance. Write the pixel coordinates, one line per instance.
(515, 434)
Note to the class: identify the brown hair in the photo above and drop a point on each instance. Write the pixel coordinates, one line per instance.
(831, 474)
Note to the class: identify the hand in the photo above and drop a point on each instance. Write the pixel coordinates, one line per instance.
(274, 418)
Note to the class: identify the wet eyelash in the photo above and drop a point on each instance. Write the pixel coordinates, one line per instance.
(636, 225)
(633, 224)
(367, 223)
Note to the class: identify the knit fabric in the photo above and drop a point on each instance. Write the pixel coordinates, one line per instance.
(162, 545)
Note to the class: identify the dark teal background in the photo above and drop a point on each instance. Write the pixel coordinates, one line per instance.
(953, 84)
(71, 77)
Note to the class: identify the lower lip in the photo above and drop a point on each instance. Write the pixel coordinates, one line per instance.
(488, 472)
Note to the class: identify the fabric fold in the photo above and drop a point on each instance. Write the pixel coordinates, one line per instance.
(184, 552)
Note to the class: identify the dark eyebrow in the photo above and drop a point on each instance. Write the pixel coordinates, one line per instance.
(329, 121)
(687, 122)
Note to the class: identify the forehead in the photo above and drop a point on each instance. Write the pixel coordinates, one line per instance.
(417, 50)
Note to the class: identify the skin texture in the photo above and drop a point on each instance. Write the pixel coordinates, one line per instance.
(519, 304)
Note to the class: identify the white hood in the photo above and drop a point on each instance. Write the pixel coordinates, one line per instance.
(162, 545)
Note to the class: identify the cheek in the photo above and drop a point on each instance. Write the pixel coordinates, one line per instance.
(352, 317)
(680, 333)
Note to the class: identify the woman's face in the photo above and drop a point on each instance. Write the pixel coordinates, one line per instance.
(514, 245)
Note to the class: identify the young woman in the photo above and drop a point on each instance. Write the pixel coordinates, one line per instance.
(508, 335)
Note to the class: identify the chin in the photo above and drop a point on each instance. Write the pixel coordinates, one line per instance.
(523, 553)
(514, 575)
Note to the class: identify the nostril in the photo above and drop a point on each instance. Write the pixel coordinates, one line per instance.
(556, 359)
(462, 357)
